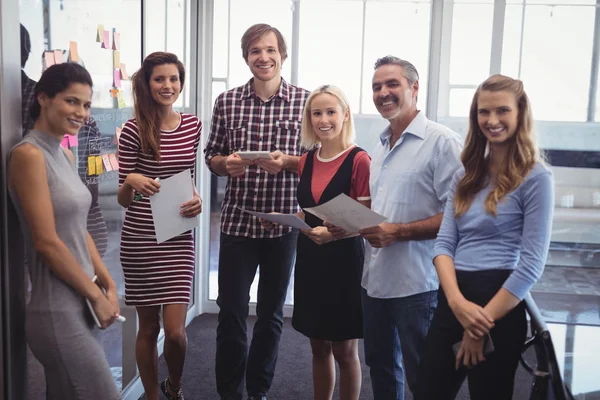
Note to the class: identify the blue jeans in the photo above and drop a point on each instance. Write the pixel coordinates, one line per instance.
(395, 330)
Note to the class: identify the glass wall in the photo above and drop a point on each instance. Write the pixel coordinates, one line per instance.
(106, 37)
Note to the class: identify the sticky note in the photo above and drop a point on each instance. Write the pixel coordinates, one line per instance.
(116, 41)
(58, 56)
(113, 161)
(116, 78)
(98, 160)
(124, 72)
(91, 165)
(73, 140)
(106, 39)
(73, 52)
(65, 142)
(121, 100)
(99, 33)
(106, 162)
(113, 93)
(49, 59)
(117, 60)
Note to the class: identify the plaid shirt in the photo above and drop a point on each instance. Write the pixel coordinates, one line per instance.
(243, 122)
(27, 97)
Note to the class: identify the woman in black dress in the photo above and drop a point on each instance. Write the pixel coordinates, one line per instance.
(328, 272)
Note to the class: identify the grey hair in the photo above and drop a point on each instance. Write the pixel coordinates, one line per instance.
(410, 72)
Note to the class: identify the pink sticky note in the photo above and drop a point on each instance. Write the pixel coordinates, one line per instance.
(58, 56)
(49, 59)
(73, 140)
(65, 142)
(105, 42)
(113, 161)
(116, 41)
(117, 78)
(106, 162)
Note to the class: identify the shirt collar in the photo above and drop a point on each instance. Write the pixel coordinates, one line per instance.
(283, 92)
(417, 127)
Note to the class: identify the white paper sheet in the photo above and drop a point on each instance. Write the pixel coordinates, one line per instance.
(254, 155)
(281, 219)
(174, 191)
(347, 213)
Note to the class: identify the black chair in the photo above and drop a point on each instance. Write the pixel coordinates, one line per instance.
(547, 383)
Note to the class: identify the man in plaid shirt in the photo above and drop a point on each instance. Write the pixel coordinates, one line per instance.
(263, 115)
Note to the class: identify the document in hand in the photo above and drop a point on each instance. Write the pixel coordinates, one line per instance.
(255, 155)
(174, 191)
(281, 219)
(346, 213)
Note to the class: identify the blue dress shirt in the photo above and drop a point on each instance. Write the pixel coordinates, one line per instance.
(409, 183)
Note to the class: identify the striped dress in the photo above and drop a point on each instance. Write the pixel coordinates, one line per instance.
(154, 273)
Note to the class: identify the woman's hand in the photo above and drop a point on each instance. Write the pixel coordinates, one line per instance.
(471, 352)
(473, 318)
(105, 311)
(320, 235)
(192, 208)
(142, 184)
(266, 224)
(335, 231)
(113, 298)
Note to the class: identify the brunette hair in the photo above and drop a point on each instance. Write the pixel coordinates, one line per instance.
(146, 111)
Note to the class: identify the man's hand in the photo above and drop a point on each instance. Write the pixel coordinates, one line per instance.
(235, 166)
(273, 166)
(319, 235)
(381, 235)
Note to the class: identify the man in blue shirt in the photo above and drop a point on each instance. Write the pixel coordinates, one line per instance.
(411, 170)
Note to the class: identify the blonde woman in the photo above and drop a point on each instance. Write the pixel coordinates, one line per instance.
(327, 305)
(490, 251)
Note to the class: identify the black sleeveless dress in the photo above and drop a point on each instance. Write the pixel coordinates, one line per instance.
(327, 294)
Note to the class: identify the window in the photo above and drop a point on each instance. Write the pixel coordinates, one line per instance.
(470, 52)
(331, 53)
(552, 55)
(243, 14)
(400, 29)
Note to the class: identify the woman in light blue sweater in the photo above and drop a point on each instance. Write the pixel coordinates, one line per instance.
(490, 251)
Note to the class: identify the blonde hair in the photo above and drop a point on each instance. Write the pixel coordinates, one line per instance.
(523, 150)
(308, 137)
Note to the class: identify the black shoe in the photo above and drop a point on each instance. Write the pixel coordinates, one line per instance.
(166, 385)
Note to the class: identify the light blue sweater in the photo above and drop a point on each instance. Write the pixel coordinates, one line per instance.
(518, 238)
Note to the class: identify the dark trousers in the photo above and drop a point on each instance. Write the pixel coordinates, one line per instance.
(238, 259)
(492, 379)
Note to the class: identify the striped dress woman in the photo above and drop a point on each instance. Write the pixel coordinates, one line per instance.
(156, 274)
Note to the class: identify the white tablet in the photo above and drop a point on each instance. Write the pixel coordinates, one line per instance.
(255, 155)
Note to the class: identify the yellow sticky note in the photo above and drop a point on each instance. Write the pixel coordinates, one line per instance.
(91, 165)
(73, 52)
(98, 160)
(100, 33)
(121, 100)
(117, 59)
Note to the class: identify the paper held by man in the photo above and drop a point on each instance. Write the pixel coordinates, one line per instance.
(347, 213)
(174, 191)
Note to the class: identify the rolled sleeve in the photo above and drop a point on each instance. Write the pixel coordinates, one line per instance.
(538, 208)
(217, 143)
(447, 238)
